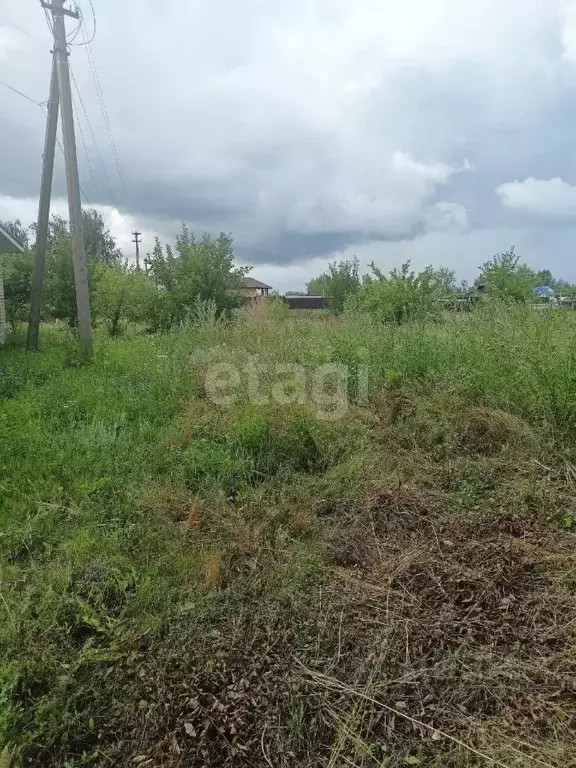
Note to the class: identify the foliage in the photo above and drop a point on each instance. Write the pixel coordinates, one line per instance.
(443, 280)
(340, 282)
(18, 232)
(401, 296)
(506, 278)
(99, 242)
(197, 269)
(217, 565)
(316, 286)
(120, 296)
(17, 270)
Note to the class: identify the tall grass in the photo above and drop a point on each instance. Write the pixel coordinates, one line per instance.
(101, 465)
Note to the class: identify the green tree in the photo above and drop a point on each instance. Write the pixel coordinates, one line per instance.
(506, 278)
(18, 232)
(120, 296)
(444, 280)
(99, 243)
(196, 270)
(340, 282)
(317, 286)
(400, 296)
(17, 271)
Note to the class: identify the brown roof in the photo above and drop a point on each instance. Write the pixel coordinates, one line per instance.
(250, 282)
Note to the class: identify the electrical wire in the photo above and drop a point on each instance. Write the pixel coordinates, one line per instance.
(93, 135)
(49, 21)
(105, 115)
(61, 148)
(20, 29)
(28, 98)
(86, 41)
(90, 169)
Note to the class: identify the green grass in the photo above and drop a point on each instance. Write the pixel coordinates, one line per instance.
(168, 561)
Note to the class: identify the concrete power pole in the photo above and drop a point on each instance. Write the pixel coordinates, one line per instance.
(74, 204)
(44, 209)
(137, 240)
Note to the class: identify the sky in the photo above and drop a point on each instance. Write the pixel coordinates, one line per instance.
(440, 131)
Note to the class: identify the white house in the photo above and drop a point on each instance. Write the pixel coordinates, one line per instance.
(7, 245)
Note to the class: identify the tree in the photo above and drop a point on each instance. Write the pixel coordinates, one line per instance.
(444, 280)
(317, 286)
(337, 285)
(400, 296)
(17, 270)
(99, 243)
(120, 296)
(505, 277)
(196, 270)
(18, 232)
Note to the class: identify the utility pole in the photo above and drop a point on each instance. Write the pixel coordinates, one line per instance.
(56, 7)
(137, 239)
(44, 209)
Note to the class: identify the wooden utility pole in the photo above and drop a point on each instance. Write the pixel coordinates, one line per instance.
(62, 69)
(137, 239)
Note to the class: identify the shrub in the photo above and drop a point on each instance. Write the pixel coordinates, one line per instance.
(400, 296)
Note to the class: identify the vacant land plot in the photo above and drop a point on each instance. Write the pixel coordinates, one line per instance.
(292, 542)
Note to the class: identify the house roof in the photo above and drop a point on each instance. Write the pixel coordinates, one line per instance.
(250, 282)
(7, 243)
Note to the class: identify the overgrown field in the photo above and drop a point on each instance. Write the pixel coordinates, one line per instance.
(187, 583)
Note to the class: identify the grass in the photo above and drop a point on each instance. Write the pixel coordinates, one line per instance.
(184, 583)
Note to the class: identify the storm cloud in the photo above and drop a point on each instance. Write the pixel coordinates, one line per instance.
(427, 129)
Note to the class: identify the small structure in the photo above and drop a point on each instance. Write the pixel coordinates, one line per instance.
(544, 292)
(7, 245)
(305, 302)
(251, 288)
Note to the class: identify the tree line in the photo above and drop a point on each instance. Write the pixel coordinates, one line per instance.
(198, 274)
(178, 279)
(404, 294)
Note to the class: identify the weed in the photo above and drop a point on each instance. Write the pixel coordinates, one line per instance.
(187, 584)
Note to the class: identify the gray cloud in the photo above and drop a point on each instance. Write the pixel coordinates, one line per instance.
(309, 128)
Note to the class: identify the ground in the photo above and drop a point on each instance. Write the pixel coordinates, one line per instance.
(188, 583)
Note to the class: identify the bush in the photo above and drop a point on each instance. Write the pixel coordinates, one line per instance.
(399, 297)
(120, 295)
(506, 278)
(199, 270)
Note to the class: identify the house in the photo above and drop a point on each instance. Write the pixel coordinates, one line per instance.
(7, 245)
(251, 288)
(305, 302)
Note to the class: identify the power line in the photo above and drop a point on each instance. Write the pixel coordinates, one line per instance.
(22, 30)
(86, 41)
(105, 115)
(42, 105)
(28, 98)
(93, 135)
(85, 149)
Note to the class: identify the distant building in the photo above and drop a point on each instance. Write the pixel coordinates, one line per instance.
(7, 245)
(251, 288)
(305, 302)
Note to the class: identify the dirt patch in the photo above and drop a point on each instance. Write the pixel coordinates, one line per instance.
(468, 621)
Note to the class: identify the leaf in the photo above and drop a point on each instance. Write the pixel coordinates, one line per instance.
(412, 760)
(5, 758)
(190, 730)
